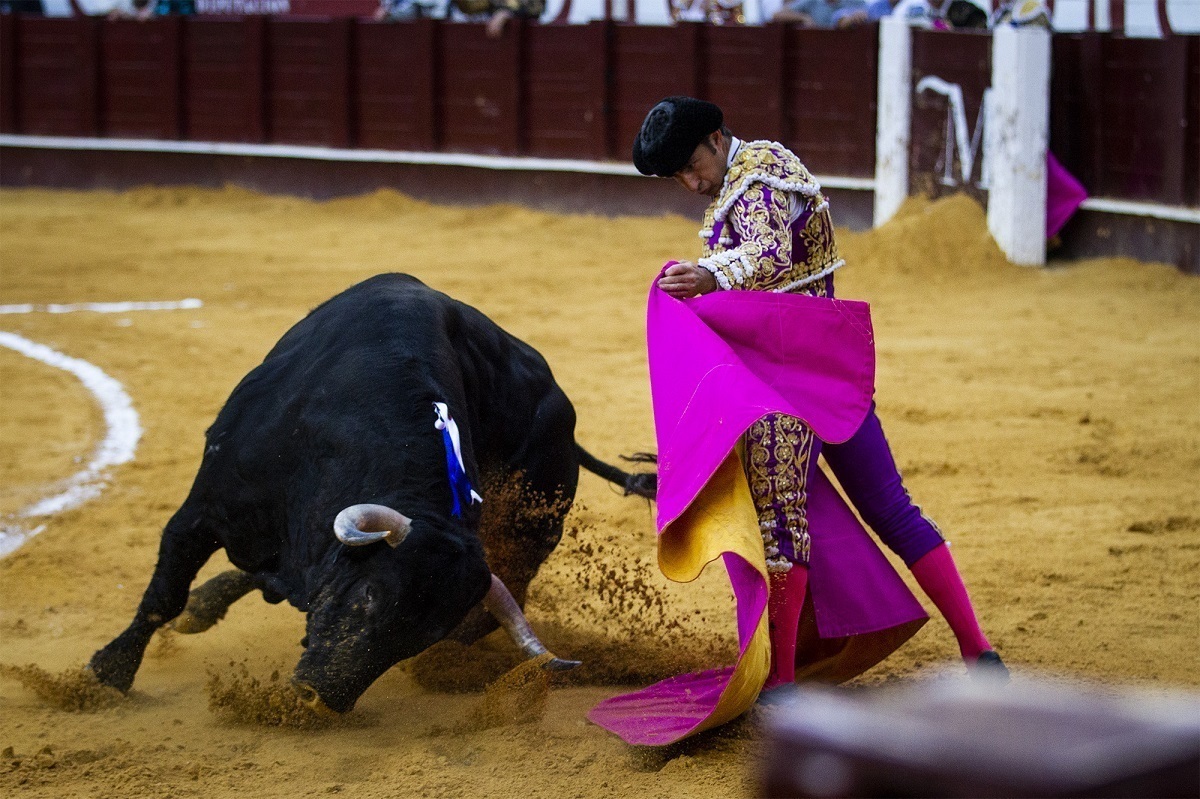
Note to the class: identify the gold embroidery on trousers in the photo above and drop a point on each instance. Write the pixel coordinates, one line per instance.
(778, 449)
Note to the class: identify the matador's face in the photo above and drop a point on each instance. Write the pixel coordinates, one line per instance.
(704, 173)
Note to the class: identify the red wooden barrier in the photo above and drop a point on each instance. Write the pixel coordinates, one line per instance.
(1141, 109)
(8, 74)
(1120, 118)
(58, 77)
(961, 58)
(742, 71)
(1125, 112)
(565, 90)
(395, 106)
(223, 79)
(648, 63)
(140, 78)
(479, 102)
(309, 81)
(1071, 112)
(831, 81)
(1191, 138)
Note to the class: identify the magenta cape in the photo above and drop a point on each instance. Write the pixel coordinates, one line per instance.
(718, 363)
(1064, 194)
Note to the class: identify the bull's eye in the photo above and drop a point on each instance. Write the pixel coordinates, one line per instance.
(368, 596)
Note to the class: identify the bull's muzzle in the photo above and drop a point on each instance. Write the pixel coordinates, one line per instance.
(359, 525)
(309, 696)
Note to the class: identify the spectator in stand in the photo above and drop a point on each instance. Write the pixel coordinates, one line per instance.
(1021, 13)
(935, 14)
(714, 12)
(496, 13)
(393, 10)
(138, 9)
(21, 7)
(965, 15)
(821, 13)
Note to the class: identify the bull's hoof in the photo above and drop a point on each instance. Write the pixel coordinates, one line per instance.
(208, 603)
(111, 671)
(189, 623)
(558, 664)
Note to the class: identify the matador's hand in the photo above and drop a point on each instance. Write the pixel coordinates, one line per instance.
(684, 279)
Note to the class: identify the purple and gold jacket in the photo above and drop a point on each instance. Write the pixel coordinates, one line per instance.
(769, 228)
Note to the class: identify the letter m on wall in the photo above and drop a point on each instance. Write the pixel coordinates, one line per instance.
(962, 145)
(952, 77)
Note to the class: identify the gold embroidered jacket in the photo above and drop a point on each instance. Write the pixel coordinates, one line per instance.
(769, 228)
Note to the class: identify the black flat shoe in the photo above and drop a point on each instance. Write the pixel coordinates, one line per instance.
(990, 668)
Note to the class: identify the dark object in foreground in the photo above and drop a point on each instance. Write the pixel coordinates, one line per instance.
(982, 740)
(340, 476)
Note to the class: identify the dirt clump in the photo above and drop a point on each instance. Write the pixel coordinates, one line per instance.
(76, 690)
(454, 668)
(239, 697)
(518, 697)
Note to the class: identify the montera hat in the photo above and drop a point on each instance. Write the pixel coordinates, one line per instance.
(671, 132)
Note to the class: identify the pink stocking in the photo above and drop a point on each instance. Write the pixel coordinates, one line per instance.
(939, 578)
(783, 617)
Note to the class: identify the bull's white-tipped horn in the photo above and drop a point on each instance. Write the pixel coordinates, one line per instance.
(365, 524)
(500, 603)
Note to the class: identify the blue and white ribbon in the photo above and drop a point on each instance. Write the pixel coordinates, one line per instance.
(460, 486)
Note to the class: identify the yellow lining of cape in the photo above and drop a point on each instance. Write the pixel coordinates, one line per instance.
(722, 519)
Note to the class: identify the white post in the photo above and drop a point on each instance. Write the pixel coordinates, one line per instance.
(893, 127)
(1017, 135)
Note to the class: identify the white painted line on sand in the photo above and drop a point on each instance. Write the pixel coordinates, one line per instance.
(104, 307)
(118, 446)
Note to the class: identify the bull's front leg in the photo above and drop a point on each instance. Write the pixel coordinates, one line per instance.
(185, 547)
(209, 603)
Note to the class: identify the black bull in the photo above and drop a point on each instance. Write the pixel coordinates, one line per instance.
(338, 422)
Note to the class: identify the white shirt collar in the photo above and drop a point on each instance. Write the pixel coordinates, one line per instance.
(734, 145)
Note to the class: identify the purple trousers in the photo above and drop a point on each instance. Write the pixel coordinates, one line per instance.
(867, 472)
(780, 456)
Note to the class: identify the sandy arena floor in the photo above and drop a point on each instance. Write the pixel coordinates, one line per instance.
(1049, 420)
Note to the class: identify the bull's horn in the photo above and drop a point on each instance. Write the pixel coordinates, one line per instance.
(500, 603)
(366, 524)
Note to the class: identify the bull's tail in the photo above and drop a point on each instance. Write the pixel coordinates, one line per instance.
(643, 484)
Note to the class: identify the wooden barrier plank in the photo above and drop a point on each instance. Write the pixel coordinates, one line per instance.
(830, 85)
(963, 58)
(1191, 143)
(742, 71)
(58, 80)
(1073, 105)
(1124, 115)
(480, 101)
(395, 105)
(140, 71)
(224, 78)
(8, 73)
(648, 63)
(565, 88)
(309, 81)
(1141, 114)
